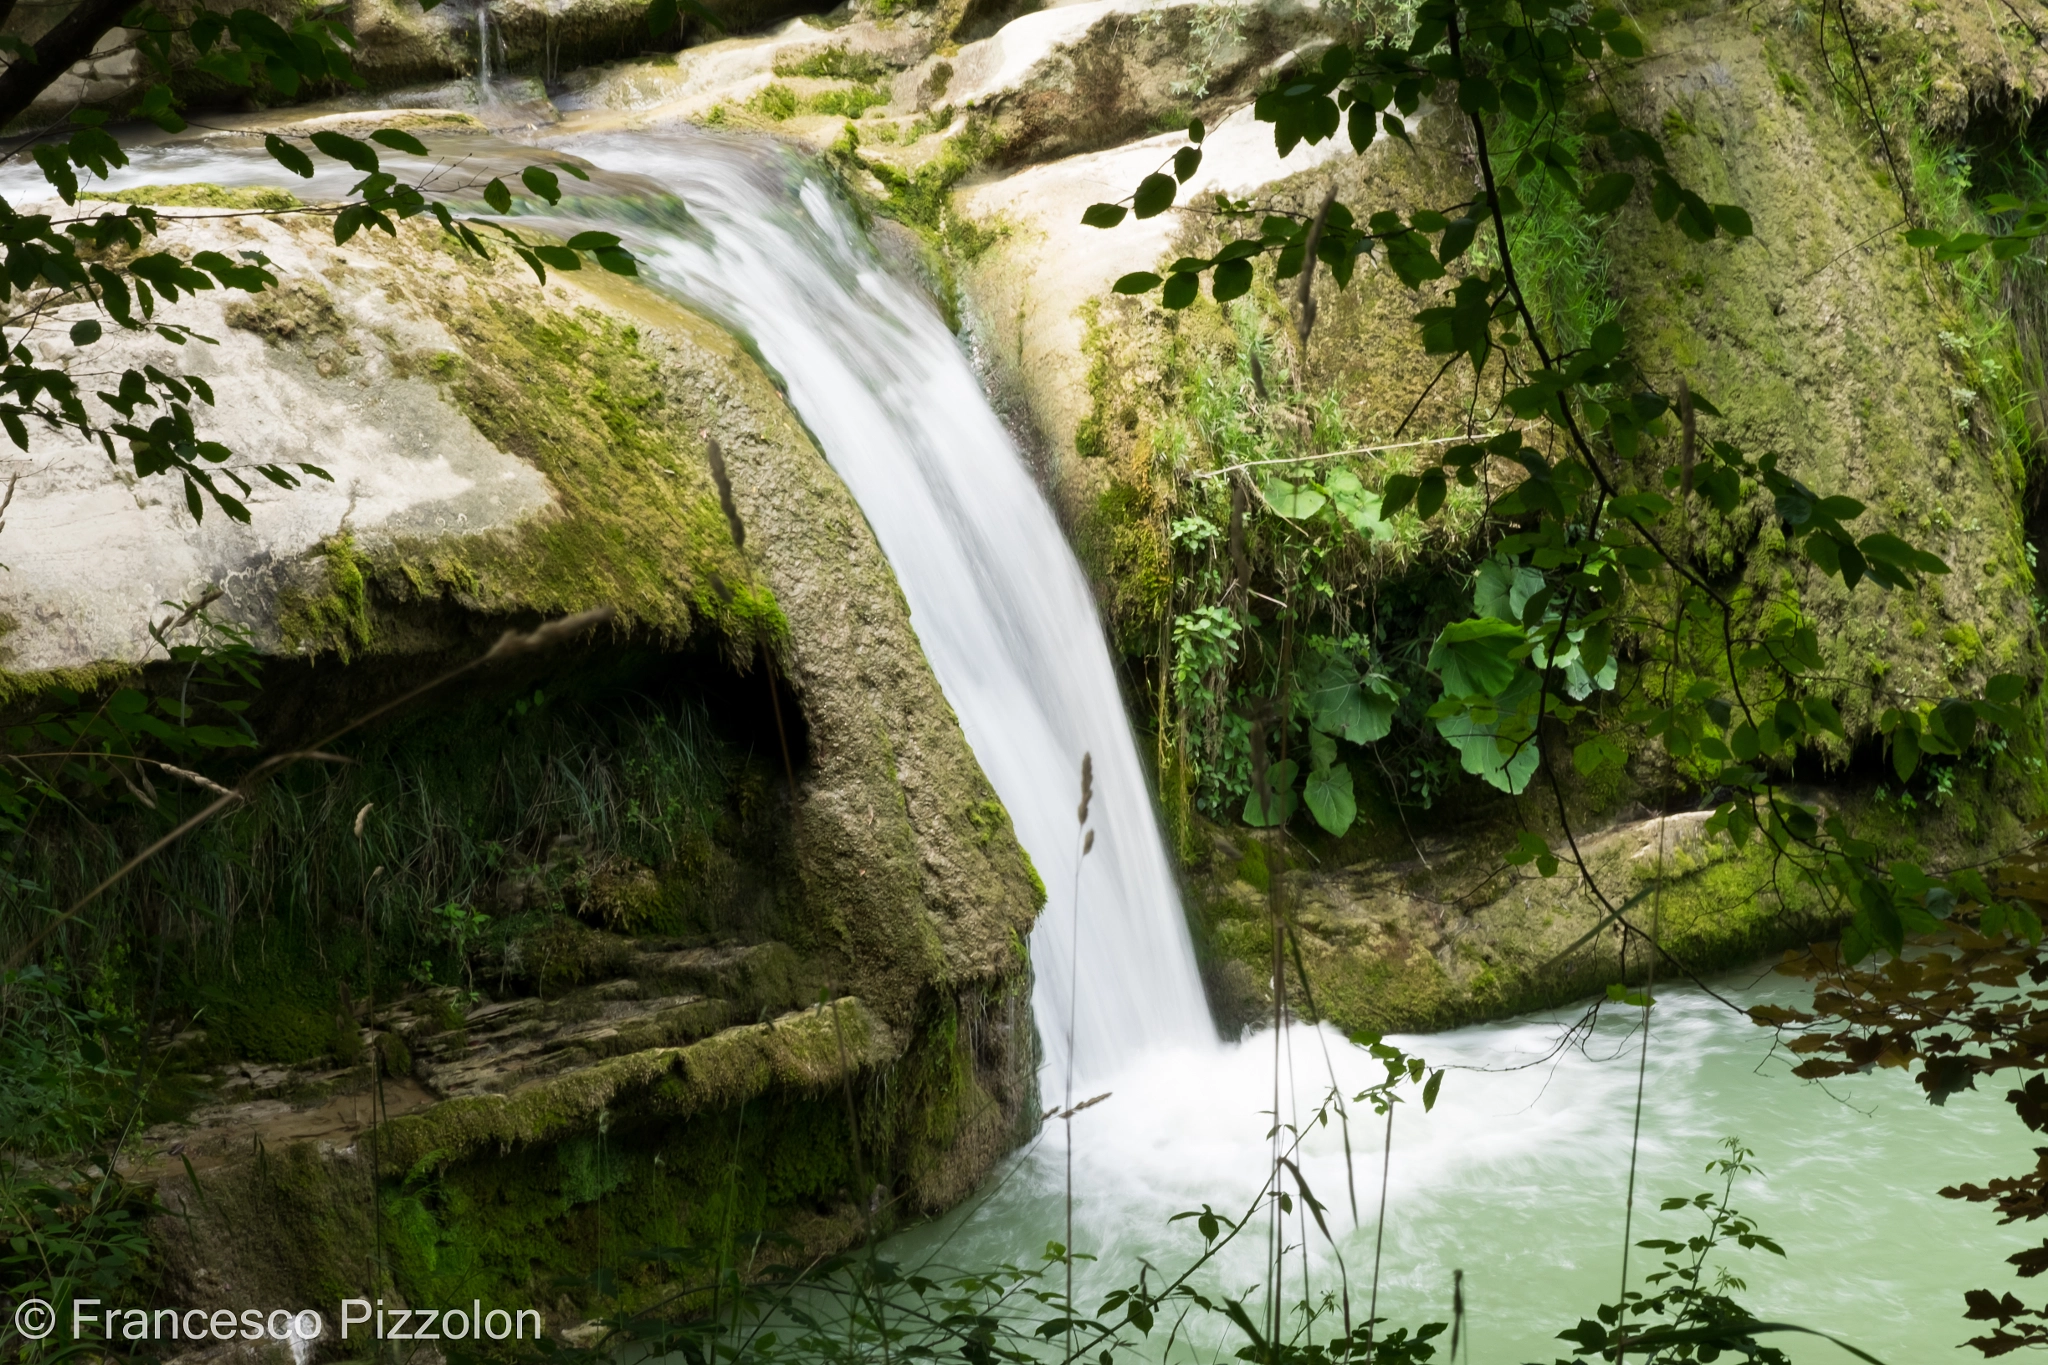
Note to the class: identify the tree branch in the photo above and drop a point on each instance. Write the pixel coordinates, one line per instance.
(63, 47)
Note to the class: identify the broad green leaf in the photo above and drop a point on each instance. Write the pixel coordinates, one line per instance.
(1500, 589)
(398, 140)
(1233, 279)
(1154, 196)
(543, 183)
(1103, 215)
(346, 149)
(1905, 750)
(1330, 800)
(1733, 220)
(1292, 500)
(1597, 753)
(1477, 657)
(1342, 702)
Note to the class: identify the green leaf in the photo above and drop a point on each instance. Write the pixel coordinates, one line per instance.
(1291, 500)
(346, 149)
(1429, 497)
(56, 169)
(1186, 162)
(1606, 193)
(1906, 750)
(543, 183)
(85, 332)
(1357, 505)
(1330, 800)
(1233, 279)
(1597, 753)
(1477, 657)
(1181, 288)
(1342, 702)
(399, 141)
(1625, 44)
(498, 196)
(287, 156)
(1457, 239)
(1155, 195)
(1137, 282)
(1733, 220)
(1195, 131)
(1822, 715)
(1103, 215)
(1501, 589)
(1280, 788)
(593, 241)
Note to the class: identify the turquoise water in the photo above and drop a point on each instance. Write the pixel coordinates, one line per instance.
(1518, 1178)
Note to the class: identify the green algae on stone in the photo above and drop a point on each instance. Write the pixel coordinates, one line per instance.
(200, 195)
(335, 617)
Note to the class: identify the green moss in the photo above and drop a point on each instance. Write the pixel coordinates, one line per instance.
(1964, 644)
(1037, 882)
(200, 195)
(921, 199)
(989, 820)
(640, 527)
(1088, 440)
(393, 1056)
(1252, 867)
(836, 63)
(269, 1020)
(775, 100)
(845, 103)
(335, 618)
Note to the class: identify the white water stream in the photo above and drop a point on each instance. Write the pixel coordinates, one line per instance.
(1517, 1177)
(997, 599)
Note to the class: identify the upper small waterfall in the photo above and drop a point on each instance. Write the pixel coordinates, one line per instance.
(484, 92)
(999, 602)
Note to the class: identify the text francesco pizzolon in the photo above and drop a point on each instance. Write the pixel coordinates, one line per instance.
(359, 1319)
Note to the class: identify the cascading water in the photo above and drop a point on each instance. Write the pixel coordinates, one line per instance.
(485, 93)
(997, 599)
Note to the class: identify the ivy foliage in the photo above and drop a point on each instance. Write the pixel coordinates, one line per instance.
(1595, 473)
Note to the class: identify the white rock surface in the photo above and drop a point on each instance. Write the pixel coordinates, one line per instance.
(92, 552)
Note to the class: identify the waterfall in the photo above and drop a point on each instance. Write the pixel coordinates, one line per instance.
(998, 601)
(484, 94)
